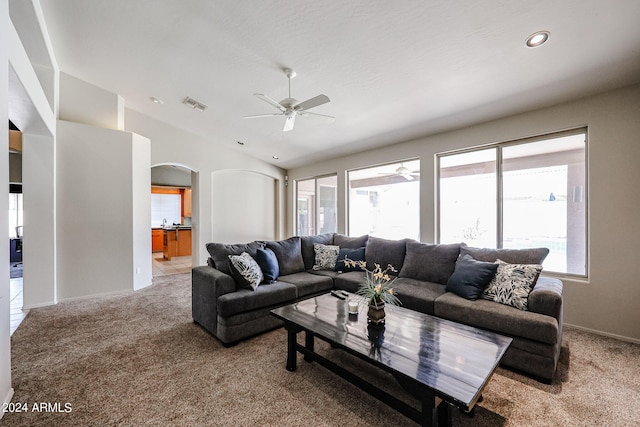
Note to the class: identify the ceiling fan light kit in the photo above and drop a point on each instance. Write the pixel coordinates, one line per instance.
(290, 107)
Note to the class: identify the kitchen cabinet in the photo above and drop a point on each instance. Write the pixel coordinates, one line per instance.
(157, 240)
(186, 203)
(176, 242)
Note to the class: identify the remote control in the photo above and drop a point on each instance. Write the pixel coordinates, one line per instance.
(337, 295)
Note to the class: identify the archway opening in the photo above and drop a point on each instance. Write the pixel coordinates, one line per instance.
(173, 218)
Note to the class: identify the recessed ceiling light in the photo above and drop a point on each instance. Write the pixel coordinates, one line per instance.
(275, 157)
(156, 100)
(537, 39)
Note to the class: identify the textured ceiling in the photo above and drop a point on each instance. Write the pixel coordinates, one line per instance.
(394, 70)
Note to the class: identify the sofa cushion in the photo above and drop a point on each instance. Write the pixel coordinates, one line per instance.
(306, 246)
(245, 270)
(326, 256)
(496, 317)
(471, 277)
(220, 253)
(511, 256)
(512, 284)
(416, 294)
(244, 300)
(289, 255)
(354, 254)
(349, 281)
(350, 242)
(307, 283)
(268, 263)
(432, 263)
(385, 252)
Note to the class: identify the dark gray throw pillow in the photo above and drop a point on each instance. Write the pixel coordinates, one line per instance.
(268, 263)
(385, 252)
(306, 245)
(353, 255)
(431, 263)
(289, 255)
(471, 277)
(220, 253)
(350, 242)
(510, 256)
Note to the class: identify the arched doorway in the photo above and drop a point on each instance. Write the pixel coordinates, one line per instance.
(174, 218)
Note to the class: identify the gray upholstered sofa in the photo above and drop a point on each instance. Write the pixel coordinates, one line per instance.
(231, 312)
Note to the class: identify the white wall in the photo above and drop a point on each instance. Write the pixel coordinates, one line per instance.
(82, 102)
(242, 218)
(39, 190)
(206, 156)
(608, 300)
(141, 210)
(5, 341)
(96, 184)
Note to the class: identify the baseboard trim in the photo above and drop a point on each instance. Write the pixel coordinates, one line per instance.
(100, 295)
(6, 401)
(604, 334)
(44, 304)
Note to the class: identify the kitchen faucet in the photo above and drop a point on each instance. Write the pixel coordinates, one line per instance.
(164, 222)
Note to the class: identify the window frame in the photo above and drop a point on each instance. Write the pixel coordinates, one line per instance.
(499, 146)
(316, 204)
(391, 162)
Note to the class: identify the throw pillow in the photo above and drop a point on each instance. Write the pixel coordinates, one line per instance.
(350, 242)
(268, 263)
(246, 270)
(356, 254)
(289, 255)
(220, 253)
(386, 252)
(431, 263)
(512, 284)
(471, 277)
(326, 256)
(306, 244)
(512, 256)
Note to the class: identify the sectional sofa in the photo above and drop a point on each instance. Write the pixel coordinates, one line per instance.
(231, 311)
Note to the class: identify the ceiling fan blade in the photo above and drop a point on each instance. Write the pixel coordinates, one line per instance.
(261, 115)
(288, 124)
(407, 177)
(269, 101)
(313, 102)
(328, 119)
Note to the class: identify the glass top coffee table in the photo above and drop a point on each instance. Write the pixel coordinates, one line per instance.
(434, 359)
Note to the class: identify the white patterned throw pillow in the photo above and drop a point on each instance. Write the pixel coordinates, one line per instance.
(512, 284)
(326, 256)
(248, 270)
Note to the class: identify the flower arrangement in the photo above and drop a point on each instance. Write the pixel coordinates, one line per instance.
(377, 287)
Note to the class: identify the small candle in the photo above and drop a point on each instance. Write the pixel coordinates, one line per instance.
(353, 307)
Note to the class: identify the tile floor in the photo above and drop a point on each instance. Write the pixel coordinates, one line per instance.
(15, 301)
(161, 267)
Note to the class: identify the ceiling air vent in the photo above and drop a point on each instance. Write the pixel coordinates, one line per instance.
(192, 103)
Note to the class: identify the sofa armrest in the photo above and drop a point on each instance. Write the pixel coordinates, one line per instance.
(546, 297)
(208, 277)
(207, 285)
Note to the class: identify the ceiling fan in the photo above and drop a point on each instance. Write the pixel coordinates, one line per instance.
(404, 172)
(291, 107)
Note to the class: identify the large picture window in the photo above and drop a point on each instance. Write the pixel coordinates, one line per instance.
(316, 208)
(522, 194)
(384, 201)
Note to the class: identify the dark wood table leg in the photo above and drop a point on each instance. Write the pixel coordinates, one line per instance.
(429, 413)
(308, 343)
(444, 414)
(292, 333)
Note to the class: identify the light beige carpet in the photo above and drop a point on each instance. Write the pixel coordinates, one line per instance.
(138, 359)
